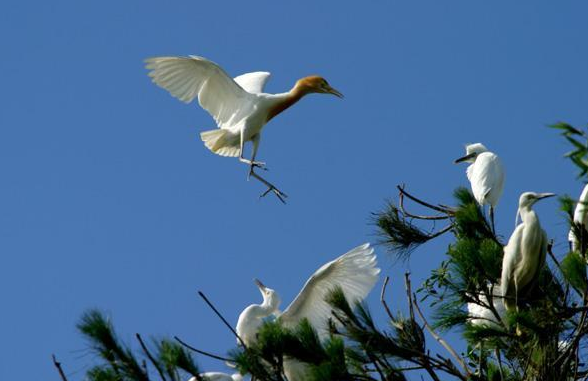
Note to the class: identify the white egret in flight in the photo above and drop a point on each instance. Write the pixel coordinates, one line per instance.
(219, 376)
(355, 272)
(524, 254)
(486, 175)
(580, 218)
(239, 105)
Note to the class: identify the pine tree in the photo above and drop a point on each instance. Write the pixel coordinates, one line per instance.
(545, 340)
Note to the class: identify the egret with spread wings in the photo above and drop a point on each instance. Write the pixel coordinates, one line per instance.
(355, 272)
(239, 106)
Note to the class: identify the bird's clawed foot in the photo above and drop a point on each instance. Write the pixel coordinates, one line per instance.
(270, 187)
(279, 194)
(253, 164)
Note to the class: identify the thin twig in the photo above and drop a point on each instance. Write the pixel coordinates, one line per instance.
(425, 359)
(383, 300)
(59, 369)
(150, 357)
(145, 369)
(270, 187)
(497, 352)
(423, 203)
(222, 318)
(439, 339)
(203, 352)
(408, 289)
(418, 217)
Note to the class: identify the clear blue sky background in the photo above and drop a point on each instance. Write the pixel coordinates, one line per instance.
(110, 200)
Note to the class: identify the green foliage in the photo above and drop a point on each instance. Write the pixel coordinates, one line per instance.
(173, 357)
(119, 357)
(573, 267)
(99, 373)
(397, 233)
(514, 346)
(469, 219)
(579, 153)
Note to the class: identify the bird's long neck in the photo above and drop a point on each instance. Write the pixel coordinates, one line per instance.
(528, 215)
(288, 100)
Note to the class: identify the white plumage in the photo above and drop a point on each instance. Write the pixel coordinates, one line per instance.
(524, 254)
(239, 106)
(480, 315)
(486, 175)
(218, 376)
(355, 272)
(580, 218)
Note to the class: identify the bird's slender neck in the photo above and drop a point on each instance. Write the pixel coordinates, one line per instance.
(289, 99)
(527, 214)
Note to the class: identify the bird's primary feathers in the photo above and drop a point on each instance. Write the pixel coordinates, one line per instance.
(524, 254)
(355, 272)
(239, 106)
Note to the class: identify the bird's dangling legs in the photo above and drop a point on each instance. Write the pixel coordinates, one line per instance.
(492, 219)
(252, 163)
(270, 187)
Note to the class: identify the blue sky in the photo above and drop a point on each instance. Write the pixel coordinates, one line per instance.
(110, 200)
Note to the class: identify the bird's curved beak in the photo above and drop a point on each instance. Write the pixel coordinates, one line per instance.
(259, 284)
(544, 195)
(330, 90)
(464, 158)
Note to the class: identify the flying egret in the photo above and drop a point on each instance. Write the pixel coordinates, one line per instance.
(486, 175)
(238, 105)
(580, 219)
(219, 376)
(524, 254)
(355, 272)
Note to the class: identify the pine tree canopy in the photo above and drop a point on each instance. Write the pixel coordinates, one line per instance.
(543, 338)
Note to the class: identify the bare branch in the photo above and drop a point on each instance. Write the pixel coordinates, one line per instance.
(423, 203)
(383, 300)
(225, 359)
(59, 369)
(150, 357)
(418, 217)
(439, 339)
(222, 318)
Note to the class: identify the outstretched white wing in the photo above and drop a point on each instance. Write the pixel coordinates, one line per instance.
(253, 82)
(355, 272)
(189, 77)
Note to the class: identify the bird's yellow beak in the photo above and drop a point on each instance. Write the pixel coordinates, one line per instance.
(330, 90)
(466, 157)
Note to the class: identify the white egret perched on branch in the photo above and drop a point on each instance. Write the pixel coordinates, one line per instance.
(239, 106)
(486, 175)
(524, 254)
(355, 272)
(580, 219)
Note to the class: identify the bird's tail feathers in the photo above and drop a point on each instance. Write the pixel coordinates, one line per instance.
(217, 141)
